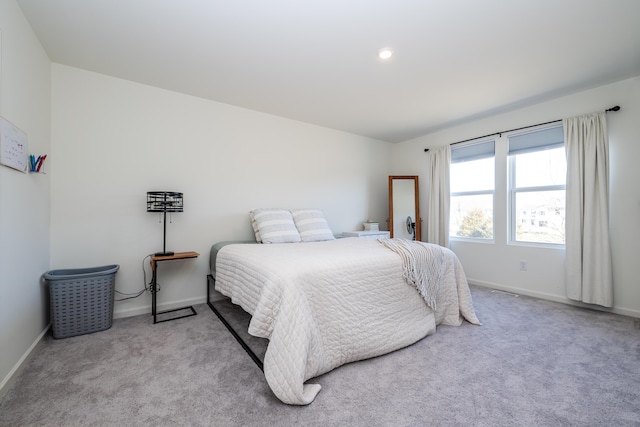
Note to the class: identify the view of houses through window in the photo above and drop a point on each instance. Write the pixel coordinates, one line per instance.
(538, 196)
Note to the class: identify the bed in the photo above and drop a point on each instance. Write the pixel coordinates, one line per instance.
(323, 304)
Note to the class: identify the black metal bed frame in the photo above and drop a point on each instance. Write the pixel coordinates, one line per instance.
(211, 283)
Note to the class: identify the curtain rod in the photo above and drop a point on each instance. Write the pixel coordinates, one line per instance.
(616, 108)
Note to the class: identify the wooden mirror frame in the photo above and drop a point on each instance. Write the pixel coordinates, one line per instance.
(417, 218)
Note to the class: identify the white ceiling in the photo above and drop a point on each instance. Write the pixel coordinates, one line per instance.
(315, 60)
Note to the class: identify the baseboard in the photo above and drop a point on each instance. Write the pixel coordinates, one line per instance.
(136, 311)
(556, 298)
(8, 381)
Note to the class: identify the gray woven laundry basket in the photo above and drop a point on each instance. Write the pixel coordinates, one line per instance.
(81, 299)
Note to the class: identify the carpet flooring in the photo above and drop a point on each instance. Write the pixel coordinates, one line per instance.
(531, 363)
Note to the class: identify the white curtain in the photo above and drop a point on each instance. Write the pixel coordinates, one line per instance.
(438, 209)
(588, 271)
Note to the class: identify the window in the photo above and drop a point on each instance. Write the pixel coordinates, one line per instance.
(537, 176)
(472, 179)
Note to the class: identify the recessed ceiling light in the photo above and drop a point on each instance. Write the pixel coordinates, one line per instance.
(385, 53)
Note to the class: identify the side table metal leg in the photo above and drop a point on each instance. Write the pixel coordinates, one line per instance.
(153, 295)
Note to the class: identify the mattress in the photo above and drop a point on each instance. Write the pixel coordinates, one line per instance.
(215, 248)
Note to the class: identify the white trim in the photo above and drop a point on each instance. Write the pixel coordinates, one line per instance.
(8, 381)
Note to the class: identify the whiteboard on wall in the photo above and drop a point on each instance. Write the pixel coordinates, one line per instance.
(13, 146)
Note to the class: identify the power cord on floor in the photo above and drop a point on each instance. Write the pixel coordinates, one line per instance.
(146, 287)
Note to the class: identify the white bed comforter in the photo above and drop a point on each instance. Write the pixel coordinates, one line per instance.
(325, 304)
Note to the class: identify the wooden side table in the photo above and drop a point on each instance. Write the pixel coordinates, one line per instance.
(155, 259)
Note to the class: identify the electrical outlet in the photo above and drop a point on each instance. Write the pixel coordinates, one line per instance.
(523, 265)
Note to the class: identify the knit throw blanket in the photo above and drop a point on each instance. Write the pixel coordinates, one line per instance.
(421, 264)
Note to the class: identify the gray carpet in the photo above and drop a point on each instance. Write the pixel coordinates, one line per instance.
(532, 363)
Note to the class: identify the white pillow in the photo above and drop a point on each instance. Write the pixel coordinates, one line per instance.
(274, 226)
(255, 227)
(312, 225)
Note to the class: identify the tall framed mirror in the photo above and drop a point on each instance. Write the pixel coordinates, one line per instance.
(404, 207)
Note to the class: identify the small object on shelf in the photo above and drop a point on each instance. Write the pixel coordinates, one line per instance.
(35, 163)
(371, 226)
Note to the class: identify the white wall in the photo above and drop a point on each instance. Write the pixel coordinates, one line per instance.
(114, 140)
(24, 198)
(497, 265)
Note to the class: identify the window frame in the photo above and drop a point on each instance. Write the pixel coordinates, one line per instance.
(477, 192)
(512, 190)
